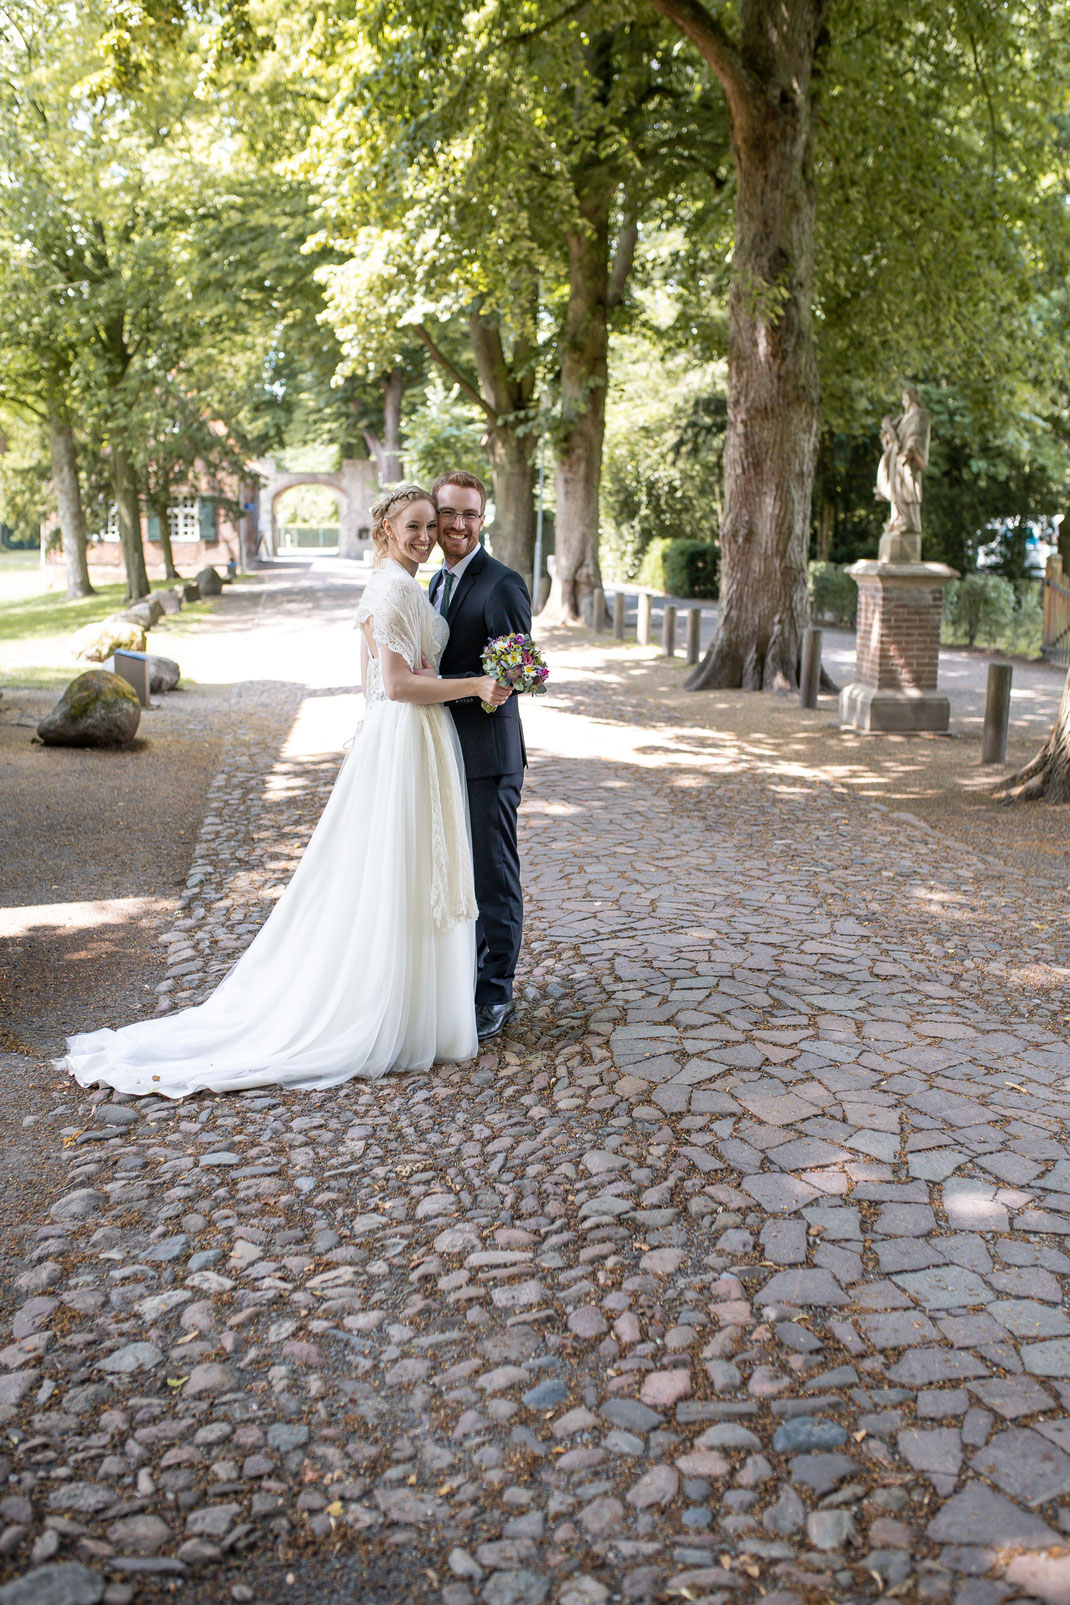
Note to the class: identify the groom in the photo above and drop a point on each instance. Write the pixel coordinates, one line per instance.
(480, 599)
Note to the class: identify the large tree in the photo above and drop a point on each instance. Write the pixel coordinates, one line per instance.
(926, 137)
(158, 249)
(766, 70)
(1047, 777)
(500, 205)
(38, 333)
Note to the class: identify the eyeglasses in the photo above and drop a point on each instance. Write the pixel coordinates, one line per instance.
(450, 517)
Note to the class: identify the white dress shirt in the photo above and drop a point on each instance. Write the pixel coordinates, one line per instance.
(457, 570)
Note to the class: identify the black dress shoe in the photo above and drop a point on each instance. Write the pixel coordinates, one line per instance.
(490, 1017)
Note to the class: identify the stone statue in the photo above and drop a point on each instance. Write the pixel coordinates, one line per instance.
(904, 458)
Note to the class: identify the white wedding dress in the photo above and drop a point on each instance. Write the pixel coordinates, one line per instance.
(367, 963)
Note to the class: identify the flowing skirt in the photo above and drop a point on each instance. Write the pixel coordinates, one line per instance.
(350, 976)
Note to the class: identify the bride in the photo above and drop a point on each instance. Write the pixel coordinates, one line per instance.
(367, 963)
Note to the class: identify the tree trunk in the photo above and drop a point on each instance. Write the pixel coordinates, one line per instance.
(124, 485)
(507, 389)
(393, 389)
(1063, 542)
(513, 532)
(69, 502)
(505, 393)
(774, 405)
(386, 449)
(1048, 775)
(584, 371)
(160, 506)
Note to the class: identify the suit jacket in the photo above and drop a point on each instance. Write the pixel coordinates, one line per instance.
(489, 600)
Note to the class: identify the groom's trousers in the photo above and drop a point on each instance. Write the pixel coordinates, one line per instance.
(492, 805)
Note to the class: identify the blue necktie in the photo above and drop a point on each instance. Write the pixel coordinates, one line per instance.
(447, 592)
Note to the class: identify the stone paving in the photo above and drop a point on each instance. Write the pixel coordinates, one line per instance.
(737, 1271)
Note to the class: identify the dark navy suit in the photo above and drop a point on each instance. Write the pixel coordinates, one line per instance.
(490, 600)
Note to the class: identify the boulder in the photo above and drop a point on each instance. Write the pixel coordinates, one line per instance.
(209, 582)
(98, 641)
(164, 674)
(146, 611)
(170, 601)
(96, 710)
(191, 591)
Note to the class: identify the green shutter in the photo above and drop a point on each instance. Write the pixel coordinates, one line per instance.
(153, 526)
(206, 515)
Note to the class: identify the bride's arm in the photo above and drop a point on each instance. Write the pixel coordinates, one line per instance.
(402, 685)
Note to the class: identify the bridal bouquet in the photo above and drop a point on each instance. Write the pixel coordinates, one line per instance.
(515, 661)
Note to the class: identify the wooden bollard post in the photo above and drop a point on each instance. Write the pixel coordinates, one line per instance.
(620, 603)
(810, 672)
(598, 611)
(694, 634)
(997, 713)
(642, 627)
(668, 631)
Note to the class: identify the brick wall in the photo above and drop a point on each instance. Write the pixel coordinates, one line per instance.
(898, 636)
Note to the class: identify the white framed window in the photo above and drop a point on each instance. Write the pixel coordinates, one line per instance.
(182, 519)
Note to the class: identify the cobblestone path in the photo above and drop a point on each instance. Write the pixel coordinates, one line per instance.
(738, 1271)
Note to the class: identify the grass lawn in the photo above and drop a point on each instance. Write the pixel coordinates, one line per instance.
(22, 561)
(36, 625)
(30, 618)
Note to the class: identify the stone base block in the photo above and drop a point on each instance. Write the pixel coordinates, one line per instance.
(866, 707)
(899, 546)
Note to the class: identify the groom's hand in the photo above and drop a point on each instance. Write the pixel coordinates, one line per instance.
(428, 670)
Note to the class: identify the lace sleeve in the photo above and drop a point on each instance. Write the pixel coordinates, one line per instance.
(389, 606)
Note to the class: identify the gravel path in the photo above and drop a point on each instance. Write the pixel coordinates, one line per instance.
(736, 1271)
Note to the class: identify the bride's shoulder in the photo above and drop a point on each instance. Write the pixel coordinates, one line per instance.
(389, 583)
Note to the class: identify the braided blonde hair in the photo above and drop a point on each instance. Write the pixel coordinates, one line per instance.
(390, 502)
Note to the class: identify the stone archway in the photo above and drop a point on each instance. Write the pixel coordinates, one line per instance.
(356, 485)
(280, 518)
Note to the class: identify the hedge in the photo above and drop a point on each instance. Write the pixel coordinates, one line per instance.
(833, 595)
(680, 568)
(988, 610)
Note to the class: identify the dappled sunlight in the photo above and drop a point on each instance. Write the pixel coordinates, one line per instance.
(636, 698)
(48, 918)
(319, 718)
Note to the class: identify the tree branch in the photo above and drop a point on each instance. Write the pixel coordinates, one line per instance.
(20, 401)
(465, 385)
(490, 360)
(623, 257)
(714, 44)
(544, 27)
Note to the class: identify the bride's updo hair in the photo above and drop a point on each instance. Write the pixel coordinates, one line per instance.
(391, 501)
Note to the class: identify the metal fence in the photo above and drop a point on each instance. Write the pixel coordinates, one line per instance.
(303, 537)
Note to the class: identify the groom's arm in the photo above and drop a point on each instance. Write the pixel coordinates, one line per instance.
(508, 610)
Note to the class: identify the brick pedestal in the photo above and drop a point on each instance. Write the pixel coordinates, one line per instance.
(899, 609)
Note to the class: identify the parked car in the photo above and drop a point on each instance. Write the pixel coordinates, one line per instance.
(1039, 546)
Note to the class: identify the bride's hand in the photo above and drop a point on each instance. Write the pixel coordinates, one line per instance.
(489, 690)
(428, 670)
